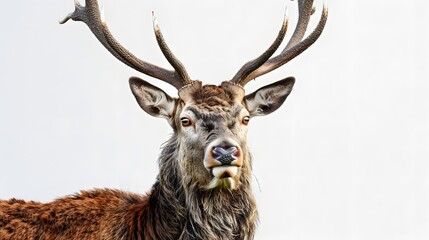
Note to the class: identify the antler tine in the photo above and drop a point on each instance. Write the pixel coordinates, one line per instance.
(90, 15)
(305, 8)
(252, 65)
(296, 45)
(167, 52)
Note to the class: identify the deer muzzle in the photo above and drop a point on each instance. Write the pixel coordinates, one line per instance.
(223, 158)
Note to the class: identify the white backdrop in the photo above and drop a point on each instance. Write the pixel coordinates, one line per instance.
(345, 158)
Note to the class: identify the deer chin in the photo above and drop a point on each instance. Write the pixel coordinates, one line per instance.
(223, 177)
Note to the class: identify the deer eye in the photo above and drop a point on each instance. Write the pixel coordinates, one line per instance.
(246, 120)
(186, 122)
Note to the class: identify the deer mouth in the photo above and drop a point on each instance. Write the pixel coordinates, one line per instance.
(223, 177)
(224, 171)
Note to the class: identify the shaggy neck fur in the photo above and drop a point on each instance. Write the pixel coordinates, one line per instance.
(175, 208)
(180, 209)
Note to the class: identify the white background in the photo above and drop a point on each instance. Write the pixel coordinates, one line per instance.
(346, 157)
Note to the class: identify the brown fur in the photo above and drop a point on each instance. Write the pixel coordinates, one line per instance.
(192, 197)
(187, 201)
(110, 214)
(177, 207)
(210, 95)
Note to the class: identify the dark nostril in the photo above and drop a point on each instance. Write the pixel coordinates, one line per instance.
(216, 152)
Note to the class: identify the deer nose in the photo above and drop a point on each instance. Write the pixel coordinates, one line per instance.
(225, 154)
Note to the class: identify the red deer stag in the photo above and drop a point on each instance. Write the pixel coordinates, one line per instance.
(203, 189)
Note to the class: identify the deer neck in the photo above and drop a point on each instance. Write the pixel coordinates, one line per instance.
(200, 214)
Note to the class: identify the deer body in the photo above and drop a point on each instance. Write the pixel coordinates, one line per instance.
(203, 189)
(109, 214)
(176, 207)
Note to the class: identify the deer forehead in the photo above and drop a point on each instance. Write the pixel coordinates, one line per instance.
(211, 103)
(211, 97)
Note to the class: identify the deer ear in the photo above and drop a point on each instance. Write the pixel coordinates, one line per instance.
(269, 98)
(152, 99)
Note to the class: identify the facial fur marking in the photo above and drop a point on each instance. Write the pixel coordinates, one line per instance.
(194, 111)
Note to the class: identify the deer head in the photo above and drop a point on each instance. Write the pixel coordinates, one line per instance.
(210, 122)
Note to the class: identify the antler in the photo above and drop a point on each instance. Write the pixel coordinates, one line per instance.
(90, 15)
(252, 65)
(294, 47)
